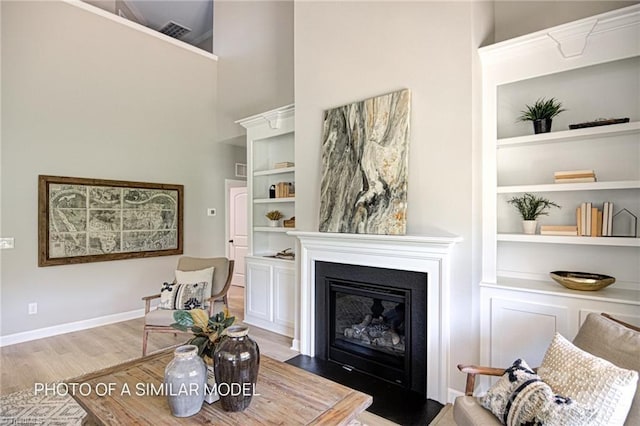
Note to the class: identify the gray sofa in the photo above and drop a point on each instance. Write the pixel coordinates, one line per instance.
(599, 335)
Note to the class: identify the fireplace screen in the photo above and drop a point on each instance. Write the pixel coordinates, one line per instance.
(369, 322)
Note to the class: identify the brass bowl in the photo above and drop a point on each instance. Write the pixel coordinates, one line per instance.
(582, 280)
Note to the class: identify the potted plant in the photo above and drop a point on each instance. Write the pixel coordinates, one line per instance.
(207, 331)
(274, 217)
(541, 113)
(530, 207)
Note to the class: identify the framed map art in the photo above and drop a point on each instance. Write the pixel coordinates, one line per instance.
(91, 220)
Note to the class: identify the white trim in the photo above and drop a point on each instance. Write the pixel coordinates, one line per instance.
(134, 25)
(453, 394)
(55, 330)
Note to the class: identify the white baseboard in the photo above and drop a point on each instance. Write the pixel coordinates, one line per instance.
(12, 339)
(295, 345)
(453, 394)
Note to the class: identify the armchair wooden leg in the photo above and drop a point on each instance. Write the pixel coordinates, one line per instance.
(145, 335)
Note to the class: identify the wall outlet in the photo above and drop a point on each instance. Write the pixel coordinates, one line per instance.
(6, 243)
(211, 212)
(33, 308)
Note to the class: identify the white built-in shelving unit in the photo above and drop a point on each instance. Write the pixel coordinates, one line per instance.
(270, 282)
(592, 67)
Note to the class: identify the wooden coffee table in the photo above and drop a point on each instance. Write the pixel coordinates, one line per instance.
(287, 395)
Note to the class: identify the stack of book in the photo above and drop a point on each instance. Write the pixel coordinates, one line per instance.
(285, 189)
(559, 230)
(574, 176)
(594, 222)
(283, 164)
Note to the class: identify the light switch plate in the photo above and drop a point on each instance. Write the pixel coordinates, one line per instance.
(6, 243)
(211, 212)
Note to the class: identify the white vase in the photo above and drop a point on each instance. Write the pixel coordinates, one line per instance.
(274, 223)
(529, 226)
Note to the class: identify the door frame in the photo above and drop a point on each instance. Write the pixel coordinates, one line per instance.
(228, 184)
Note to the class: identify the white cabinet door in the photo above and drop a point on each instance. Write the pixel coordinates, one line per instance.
(521, 329)
(284, 300)
(258, 292)
(270, 294)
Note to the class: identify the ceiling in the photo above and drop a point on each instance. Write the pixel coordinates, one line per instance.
(197, 15)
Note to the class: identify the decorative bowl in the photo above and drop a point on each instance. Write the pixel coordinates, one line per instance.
(584, 281)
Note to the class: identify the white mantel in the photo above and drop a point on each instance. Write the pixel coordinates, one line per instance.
(420, 253)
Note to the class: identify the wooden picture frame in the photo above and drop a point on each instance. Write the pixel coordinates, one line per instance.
(92, 220)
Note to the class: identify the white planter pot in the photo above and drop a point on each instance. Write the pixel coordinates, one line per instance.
(529, 226)
(274, 223)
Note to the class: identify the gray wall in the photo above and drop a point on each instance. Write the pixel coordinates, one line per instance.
(85, 96)
(352, 50)
(254, 43)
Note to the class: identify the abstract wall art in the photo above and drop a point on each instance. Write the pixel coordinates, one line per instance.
(89, 220)
(365, 148)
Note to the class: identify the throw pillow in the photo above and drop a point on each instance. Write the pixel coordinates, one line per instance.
(182, 296)
(199, 276)
(521, 397)
(590, 380)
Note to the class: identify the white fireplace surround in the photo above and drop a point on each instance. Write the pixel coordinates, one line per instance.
(429, 253)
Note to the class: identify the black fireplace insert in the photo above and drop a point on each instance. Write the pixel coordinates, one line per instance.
(373, 320)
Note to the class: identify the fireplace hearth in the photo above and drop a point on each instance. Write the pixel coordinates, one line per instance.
(373, 320)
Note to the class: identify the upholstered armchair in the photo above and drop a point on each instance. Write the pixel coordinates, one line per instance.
(600, 335)
(214, 285)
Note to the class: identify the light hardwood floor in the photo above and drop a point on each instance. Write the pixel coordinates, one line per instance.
(70, 355)
(73, 354)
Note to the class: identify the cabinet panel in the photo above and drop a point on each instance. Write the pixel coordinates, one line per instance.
(284, 306)
(258, 291)
(524, 330)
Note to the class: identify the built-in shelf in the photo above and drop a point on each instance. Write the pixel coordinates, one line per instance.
(561, 187)
(610, 294)
(562, 239)
(274, 200)
(571, 135)
(280, 171)
(272, 229)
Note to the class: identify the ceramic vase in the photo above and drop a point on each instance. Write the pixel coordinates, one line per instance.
(274, 223)
(529, 226)
(236, 362)
(184, 378)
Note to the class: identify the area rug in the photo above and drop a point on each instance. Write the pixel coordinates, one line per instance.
(28, 408)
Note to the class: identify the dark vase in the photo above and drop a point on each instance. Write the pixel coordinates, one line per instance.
(236, 361)
(542, 125)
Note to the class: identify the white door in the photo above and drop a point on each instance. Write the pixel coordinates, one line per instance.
(238, 232)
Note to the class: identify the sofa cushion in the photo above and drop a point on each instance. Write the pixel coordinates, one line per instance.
(590, 380)
(468, 411)
(616, 343)
(521, 397)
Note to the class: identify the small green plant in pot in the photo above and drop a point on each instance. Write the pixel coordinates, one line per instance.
(541, 114)
(530, 207)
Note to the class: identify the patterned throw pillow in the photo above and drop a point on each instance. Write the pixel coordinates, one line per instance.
(182, 296)
(202, 275)
(590, 380)
(520, 397)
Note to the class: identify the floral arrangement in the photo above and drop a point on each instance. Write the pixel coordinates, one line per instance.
(207, 330)
(274, 215)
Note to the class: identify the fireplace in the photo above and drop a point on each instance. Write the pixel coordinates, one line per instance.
(426, 254)
(373, 320)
